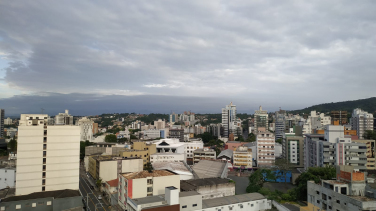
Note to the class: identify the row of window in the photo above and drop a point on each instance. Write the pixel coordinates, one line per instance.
(19, 206)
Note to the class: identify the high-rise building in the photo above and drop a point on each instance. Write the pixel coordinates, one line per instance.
(228, 119)
(261, 120)
(361, 121)
(265, 149)
(160, 124)
(280, 126)
(8, 121)
(2, 122)
(64, 118)
(86, 126)
(293, 150)
(48, 156)
(174, 118)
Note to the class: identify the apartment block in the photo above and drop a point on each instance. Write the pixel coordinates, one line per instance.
(265, 149)
(203, 154)
(361, 121)
(347, 193)
(2, 113)
(160, 124)
(174, 118)
(261, 120)
(280, 126)
(64, 118)
(370, 153)
(142, 184)
(228, 119)
(86, 126)
(108, 167)
(242, 158)
(338, 117)
(177, 133)
(47, 155)
(151, 134)
(293, 150)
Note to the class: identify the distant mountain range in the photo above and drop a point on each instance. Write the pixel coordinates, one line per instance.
(368, 105)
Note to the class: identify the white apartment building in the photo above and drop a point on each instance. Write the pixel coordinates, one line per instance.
(192, 145)
(167, 157)
(265, 149)
(204, 154)
(141, 184)
(64, 118)
(86, 126)
(228, 119)
(48, 156)
(7, 178)
(315, 121)
(242, 158)
(2, 123)
(361, 121)
(151, 134)
(8, 121)
(261, 120)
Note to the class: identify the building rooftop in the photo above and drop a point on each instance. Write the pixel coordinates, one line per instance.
(221, 201)
(188, 193)
(145, 174)
(113, 183)
(209, 168)
(112, 157)
(46, 194)
(149, 199)
(204, 150)
(362, 198)
(176, 167)
(227, 153)
(191, 185)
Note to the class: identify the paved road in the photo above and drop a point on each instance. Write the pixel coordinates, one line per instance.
(91, 197)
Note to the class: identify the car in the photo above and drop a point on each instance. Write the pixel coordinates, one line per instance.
(91, 187)
(99, 197)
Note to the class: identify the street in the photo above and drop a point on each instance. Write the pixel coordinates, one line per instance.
(91, 196)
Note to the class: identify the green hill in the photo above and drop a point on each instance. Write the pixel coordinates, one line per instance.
(368, 105)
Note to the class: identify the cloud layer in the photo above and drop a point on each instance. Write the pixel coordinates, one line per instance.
(288, 53)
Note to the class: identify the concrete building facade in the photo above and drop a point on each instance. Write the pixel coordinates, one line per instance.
(265, 149)
(47, 155)
(228, 119)
(64, 118)
(86, 126)
(293, 150)
(2, 113)
(7, 178)
(167, 157)
(204, 154)
(261, 120)
(361, 121)
(242, 158)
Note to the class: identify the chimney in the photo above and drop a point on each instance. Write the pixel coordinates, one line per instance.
(172, 195)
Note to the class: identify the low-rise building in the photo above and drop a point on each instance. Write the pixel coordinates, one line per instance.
(203, 154)
(177, 133)
(242, 158)
(209, 188)
(151, 134)
(111, 191)
(370, 153)
(180, 168)
(167, 157)
(211, 168)
(107, 167)
(141, 184)
(347, 192)
(58, 200)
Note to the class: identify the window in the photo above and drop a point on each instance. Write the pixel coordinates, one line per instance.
(44, 160)
(44, 174)
(44, 167)
(338, 201)
(44, 153)
(241, 206)
(251, 205)
(194, 205)
(49, 202)
(43, 188)
(18, 206)
(184, 206)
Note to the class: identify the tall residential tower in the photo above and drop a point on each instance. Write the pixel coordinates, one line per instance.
(228, 119)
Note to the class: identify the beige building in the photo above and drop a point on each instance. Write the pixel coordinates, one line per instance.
(141, 184)
(160, 124)
(47, 155)
(108, 167)
(86, 126)
(370, 144)
(265, 149)
(361, 121)
(204, 154)
(261, 120)
(140, 149)
(242, 158)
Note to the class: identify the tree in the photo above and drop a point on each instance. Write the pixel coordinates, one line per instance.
(256, 181)
(110, 138)
(83, 145)
(98, 183)
(240, 138)
(133, 136)
(12, 145)
(206, 137)
(251, 137)
(148, 167)
(369, 135)
(279, 140)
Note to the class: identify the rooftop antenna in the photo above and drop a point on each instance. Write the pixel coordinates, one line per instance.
(42, 110)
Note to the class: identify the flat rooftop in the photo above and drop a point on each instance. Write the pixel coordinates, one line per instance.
(149, 199)
(190, 185)
(362, 198)
(188, 193)
(227, 200)
(112, 157)
(145, 174)
(46, 194)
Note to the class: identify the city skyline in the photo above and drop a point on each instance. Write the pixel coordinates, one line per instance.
(205, 53)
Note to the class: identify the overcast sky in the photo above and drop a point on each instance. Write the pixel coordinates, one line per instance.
(156, 56)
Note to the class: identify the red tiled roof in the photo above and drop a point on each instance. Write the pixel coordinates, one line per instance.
(113, 183)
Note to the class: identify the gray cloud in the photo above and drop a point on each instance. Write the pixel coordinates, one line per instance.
(286, 54)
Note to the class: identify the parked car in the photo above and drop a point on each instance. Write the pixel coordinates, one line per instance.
(99, 197)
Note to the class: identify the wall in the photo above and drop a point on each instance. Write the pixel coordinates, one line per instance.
(68, 204)
(165, 208)
(71, 203)
(189, 201)
(132, 165)
(279, 206)
(215, 191)
(160, 183)
(139, 188)
(249, 206)
(108, 170)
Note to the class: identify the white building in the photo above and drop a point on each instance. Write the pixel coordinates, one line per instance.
(7, 178)
(361, 121)
(124, 134)
(151, 134)
(175, 146)
(167, 157)
(64, 118)
(228, 119)
(315, 121)
(192, 145)
(86, 126)
(48, 156)
(8, 121)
